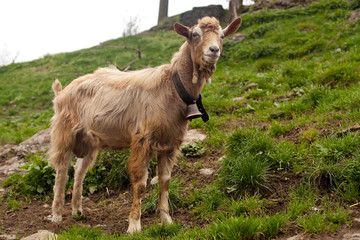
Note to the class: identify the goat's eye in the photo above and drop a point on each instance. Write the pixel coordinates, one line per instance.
(222, 36)
(194, 35)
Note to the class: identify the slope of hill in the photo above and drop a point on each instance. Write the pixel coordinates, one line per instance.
(284, 105)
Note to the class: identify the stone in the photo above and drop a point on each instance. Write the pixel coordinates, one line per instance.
(11, 165)
(206, 171)
(155, 180)
(41, 235)
(193, 136)
(250, 85)
(291, 94)
(296, 237)
(221, 158)
(7, 237)
(351, 236)
(238, 98)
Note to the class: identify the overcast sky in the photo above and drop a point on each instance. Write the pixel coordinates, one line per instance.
(30, 29)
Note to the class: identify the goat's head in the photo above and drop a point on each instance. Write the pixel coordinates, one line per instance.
(206, 38)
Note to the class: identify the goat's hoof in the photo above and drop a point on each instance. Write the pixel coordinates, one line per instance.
(165, 218)
(56, 218)
(134, 226)
(78, 216)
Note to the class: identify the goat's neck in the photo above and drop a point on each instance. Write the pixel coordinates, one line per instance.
(185, 68)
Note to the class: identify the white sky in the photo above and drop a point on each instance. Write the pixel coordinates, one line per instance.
(30, 29)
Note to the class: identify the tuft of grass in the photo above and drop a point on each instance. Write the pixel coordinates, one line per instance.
(162, 231)
(314, 222)
(202, 202)
(343, 74)
(245, 174)
(13, 205)
(248, 205)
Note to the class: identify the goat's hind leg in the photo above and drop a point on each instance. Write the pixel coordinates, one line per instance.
(81, 167)
(166, 161)
(60, 161)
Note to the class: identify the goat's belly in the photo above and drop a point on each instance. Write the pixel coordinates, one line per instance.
(113, 139)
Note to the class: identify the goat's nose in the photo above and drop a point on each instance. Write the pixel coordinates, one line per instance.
(214, 49)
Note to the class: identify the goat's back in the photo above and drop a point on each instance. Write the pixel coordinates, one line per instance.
(113, 106)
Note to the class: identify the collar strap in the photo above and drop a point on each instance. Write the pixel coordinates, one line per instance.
(187, 99)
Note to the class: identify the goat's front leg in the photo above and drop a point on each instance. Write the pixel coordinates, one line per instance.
(138, 170)
(166, 161)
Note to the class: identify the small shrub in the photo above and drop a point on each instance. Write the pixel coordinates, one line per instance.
(194, 150)
(38, 178)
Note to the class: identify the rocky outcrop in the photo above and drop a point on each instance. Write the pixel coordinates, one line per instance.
(191, 17)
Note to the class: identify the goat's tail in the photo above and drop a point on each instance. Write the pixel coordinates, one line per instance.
(57, 88)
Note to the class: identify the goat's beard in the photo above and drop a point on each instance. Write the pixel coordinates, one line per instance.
(202, 69)
(205, 71)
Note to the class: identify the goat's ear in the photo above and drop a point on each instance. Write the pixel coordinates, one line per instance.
(182, 30)
(233, 26)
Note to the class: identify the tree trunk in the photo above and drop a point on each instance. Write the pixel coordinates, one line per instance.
(232, 10)
(163, 10)
(235, 9)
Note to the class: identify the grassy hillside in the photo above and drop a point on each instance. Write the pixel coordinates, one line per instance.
(285, 138)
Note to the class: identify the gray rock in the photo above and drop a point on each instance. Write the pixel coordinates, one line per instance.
(41, 235)
(250, 85)
(206, 171)
(193, 136)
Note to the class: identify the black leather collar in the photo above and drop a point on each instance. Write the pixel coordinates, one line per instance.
(187, 99)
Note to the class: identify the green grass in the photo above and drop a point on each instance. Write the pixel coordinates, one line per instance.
(176, 195)
(306, 64)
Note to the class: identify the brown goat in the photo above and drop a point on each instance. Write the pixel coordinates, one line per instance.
(140, 110)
